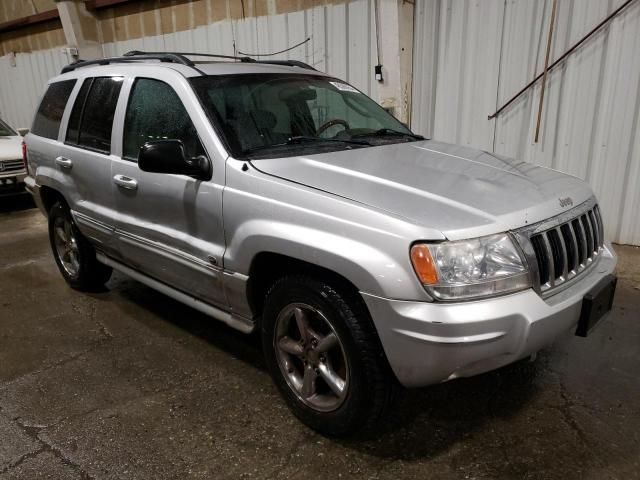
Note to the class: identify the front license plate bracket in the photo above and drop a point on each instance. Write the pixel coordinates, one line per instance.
(596, 303)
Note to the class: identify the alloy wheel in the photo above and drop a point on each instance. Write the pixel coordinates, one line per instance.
(66, 246)
(311, 357)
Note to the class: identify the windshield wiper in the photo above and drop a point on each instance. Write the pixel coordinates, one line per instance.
(300, 139)
(389, 132)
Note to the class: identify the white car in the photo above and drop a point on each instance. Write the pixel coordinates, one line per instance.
(12, 169)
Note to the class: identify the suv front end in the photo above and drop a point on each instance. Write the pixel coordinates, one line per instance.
(497, 299)
(12, 175)
(12, 165)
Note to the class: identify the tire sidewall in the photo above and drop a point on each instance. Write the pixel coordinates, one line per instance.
(59, 210)
(91, 274)
(350, 414)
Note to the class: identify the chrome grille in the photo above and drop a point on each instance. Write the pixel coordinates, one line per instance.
(11, 165)
(567, 249)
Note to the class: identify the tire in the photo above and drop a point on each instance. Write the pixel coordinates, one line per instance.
(74, 255)
(355, 362)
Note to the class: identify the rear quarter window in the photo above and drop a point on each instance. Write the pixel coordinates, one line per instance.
(73, 127)
(47, 121)
(91, 119)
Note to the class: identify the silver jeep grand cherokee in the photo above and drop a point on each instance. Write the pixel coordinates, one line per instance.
(277, 198)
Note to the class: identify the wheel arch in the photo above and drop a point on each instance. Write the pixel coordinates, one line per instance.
(267, 267)
(49, 196)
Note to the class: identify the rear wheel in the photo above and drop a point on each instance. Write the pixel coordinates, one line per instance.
(74, 255)
(325, 356)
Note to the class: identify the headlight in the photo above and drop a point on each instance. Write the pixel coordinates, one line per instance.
(467, 269)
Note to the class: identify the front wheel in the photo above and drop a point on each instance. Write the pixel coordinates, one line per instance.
(74, 255)
(325, 356)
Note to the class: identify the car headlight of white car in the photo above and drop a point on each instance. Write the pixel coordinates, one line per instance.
(469, 269)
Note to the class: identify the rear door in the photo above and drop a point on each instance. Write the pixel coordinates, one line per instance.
(169, 226)
(43, 142)
(85, 158)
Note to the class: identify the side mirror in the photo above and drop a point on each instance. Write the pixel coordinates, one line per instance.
(23, 131)
(168, 156)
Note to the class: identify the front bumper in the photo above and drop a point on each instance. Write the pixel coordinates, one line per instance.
(428, 343)
(12, 183)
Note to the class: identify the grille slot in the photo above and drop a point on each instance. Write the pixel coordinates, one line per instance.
(566, 250)
(581, 240)
(586, 224)
(541, 258)
(571, 245)
(558, 256)
(11, 165)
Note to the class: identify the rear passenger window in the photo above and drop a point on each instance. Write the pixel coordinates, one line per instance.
(47, 121)
(73, 127)
(91, 119)
(155, 112)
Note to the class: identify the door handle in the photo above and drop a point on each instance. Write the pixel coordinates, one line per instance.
(64, 163)
(125, 182)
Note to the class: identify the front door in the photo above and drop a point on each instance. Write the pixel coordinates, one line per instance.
(169, 226)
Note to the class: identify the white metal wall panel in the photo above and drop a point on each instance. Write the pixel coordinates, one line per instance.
(23, 84)
(485, 51)
(425, 57)
(342, 40)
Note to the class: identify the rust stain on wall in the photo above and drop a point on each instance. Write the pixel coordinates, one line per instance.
(38, 37)
(139, 19)
(166, 16)
(13, 9)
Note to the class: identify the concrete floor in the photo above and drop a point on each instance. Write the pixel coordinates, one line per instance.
(130, 384)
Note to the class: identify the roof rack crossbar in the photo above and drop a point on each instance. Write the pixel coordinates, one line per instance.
(163, 57)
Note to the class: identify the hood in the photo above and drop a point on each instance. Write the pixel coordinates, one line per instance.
(11, 148)
(457, 190)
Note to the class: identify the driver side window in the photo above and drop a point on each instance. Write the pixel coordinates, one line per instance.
(155, 112)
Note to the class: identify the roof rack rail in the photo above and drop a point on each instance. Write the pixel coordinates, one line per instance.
(138, 53)
(163, 57)
(176, 57)
(290, 63)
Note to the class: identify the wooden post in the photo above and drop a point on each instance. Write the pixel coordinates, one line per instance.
(546, 66)
(395, 38)
(80, 28)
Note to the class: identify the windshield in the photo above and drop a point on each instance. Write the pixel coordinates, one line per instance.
(6, 130)
(276, 115)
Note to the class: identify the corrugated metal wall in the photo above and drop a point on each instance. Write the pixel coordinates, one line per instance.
(342, 39)
(23, 84)
(482, 52)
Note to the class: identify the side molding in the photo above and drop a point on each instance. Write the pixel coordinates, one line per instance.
(235, 321)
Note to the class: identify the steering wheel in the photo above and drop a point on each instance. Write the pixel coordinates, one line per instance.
(331, 123)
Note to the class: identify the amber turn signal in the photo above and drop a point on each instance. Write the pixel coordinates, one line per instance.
(423, 264)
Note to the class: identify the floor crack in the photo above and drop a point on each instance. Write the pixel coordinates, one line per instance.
(22, 459)
(33, 432)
